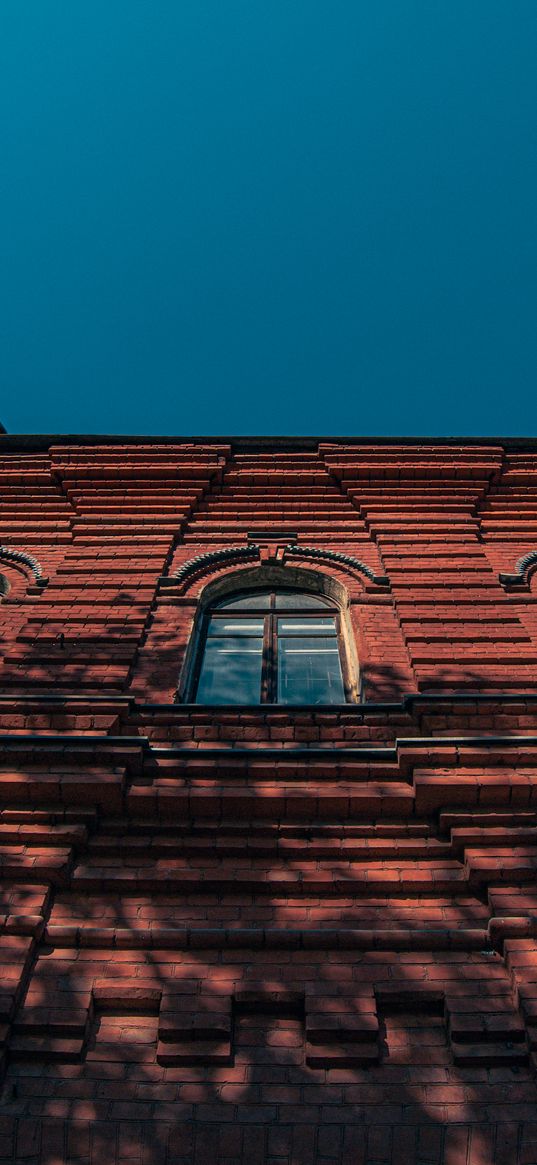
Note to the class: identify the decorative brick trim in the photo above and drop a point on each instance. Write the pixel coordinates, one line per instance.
(346, 560)
(8, 554)
(390, 938)
(251, 551)
(521, 571)
(210, 559)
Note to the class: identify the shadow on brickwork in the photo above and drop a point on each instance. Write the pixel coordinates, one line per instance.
(338, 1055)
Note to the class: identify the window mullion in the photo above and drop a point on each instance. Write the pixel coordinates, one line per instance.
(266, 668)
(274, 658)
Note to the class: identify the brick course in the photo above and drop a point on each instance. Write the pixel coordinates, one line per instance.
(274, 935)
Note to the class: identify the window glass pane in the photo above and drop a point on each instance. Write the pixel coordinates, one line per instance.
(254, 602)
(284, 601)
(231, 671)
(297, 602)
(224, 626)
(298, 626)
(309, 671)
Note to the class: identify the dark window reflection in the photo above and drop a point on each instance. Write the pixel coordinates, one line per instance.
(230, 626)
(257, 602)
(309, 671)
(231, 671)
(297, 601)
(298, 626)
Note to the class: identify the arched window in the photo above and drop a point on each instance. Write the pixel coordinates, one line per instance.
(270, 647)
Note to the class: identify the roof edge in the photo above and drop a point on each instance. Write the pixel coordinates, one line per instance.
(22, 442)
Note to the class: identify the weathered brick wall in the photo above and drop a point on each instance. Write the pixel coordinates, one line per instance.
(268, 936)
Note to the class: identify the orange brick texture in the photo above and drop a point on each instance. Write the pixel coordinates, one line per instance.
(267, 935)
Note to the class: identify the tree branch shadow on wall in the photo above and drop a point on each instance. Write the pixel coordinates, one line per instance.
(267, 1105)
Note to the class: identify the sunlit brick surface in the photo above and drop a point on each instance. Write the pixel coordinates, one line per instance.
(268, 935)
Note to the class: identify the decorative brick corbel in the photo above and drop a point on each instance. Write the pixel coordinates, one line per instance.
(347, 561)
(212, 558)
(520, 575)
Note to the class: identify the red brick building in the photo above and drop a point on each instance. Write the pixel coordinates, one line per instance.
(269, 801)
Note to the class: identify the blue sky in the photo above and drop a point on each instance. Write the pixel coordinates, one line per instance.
(268, 216)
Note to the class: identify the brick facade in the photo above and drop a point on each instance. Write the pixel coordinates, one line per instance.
(268, 935)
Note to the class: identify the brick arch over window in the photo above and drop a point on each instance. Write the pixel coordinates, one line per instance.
(373, 635)
(203, 563)
(274, 575)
